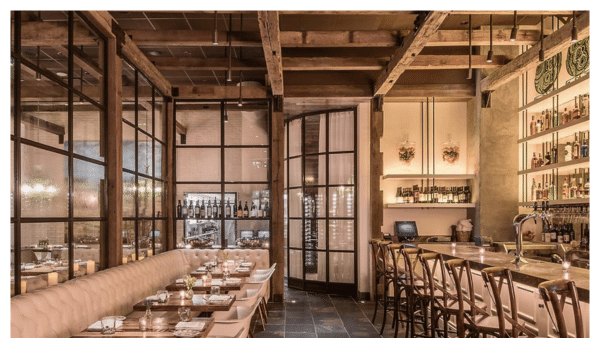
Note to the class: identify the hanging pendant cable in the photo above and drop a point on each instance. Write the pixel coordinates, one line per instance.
(215, 33)
(240, 102)
(229, 52)
(515, 30)
(574, 31)
(542, 39)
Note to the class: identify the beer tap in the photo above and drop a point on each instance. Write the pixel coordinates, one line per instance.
(518, 225)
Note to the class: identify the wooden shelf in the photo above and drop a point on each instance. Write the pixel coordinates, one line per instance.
(570, 201)
(571, 124)
(584, 160)
(429, 176)
(430, 205)
(555, 92)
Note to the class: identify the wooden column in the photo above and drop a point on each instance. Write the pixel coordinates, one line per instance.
(376, 159)
(276, 245)
(170, 178)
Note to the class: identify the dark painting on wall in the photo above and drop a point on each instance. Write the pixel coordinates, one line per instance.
(546, 74)
(578, 57)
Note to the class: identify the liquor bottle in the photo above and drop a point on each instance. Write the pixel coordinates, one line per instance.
(552, 191)
(433, 194)
(565, 190)
(215, 209)
(560, 235)
(399, 198)
(260, 212)
(575, 114)
(228, 210)
(547, 118)
(586, 189)
(202, 210)
(548, 235)
(568, 154)
(184, 210)
(220, 207)
(239, 210)
(534, 161)
(253, 212)
(584, 149)
(580, 190)
(409, 196)
(533, 190)
(179, 208)
(245, 214)
(583, 108)
(416, 193)
(555, 154)
(575, 149)
(467, 191)
(544, 231)
(209, 212)
(538, 126)
(266, 213)
(540, 160)
(572, 189)
(553, 234)
(197, 209)
(567, 234)
(571, 233)
(539, 192)
(547, 158)
(545, 192)
(450, 194)
(456, 194)
(532, 126)
(565, 117)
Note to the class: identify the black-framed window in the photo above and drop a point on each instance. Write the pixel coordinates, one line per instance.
(144, 167)
(320, 201)
(222, 160)
(58, 116)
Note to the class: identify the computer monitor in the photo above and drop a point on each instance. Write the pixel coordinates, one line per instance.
(406, 231)
(246, 233)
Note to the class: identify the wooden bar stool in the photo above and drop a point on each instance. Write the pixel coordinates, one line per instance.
(388, 279)
(556, 292)
(379, 264)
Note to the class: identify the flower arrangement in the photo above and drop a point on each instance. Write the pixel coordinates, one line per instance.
(406, 154)
(190, 282)
(225, 256)
(450, 154)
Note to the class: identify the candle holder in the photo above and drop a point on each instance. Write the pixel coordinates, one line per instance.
(566, 266)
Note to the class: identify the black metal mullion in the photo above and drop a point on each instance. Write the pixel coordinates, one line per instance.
(287, 189)
(136, 193)
(17, 152)
(303, 226)
(70, 144)
(355, 200)
(222, 126)
(327, 254)
(174, 216)
(153, 174)
(226, 146)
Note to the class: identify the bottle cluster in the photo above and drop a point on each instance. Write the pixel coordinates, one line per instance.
(433, 194)
(572, 151)
(571, 111)
(573, 186)
(562, 224)
(215, 210)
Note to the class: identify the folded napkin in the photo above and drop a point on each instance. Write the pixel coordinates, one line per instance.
(97, 326)
(246, 264)
(218, 298)
(233, 280)
(179, 281)
(202, 268)
(243, 269)
(194, 325)
(153, 298)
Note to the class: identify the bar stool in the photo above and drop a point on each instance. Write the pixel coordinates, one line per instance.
(502, 324)
(556, 292)
(388, 278)
(379, 264)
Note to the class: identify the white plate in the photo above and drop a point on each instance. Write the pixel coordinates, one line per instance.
(186, 333)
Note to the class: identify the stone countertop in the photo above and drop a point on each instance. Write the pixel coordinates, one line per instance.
(531, 274)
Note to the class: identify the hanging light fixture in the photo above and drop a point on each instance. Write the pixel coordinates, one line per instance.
(240, 102)
(542, 39)
(470, 74)
(491, 52)
(215, 33)
(225, 116)
(574, 31)
(229, 52)
(515, 30)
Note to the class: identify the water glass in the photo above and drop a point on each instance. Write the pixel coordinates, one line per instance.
(108, 325)
(215, 290)
(162, 296)
(225, 274)
(184, 314)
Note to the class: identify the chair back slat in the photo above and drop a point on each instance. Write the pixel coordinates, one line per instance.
(556, 292)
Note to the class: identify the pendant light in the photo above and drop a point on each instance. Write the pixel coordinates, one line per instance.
(470, 74)
(229, 52)
(491, 52)
(542, 39)
(215, 33)
(225, 116)
(240, 102)
(515, 30)
(574, 31)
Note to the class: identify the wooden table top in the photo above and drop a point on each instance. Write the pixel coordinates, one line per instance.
(233, 271)
(198, 303)
(206, 288)
(130, 327)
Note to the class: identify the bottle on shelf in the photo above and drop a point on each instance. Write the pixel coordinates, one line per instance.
(266, 212)
(202, 210)
(467, 194)
(575, 151)
(228, 210)
(586, 189)
(540, 160)
(567, 234)
(197, 209)
(575, 114)
(532, 126)
(580, 190)
(547, 158)
(191, 209)
(560, 234)
(584, 149)
(416, 194)
(253, 212)
(547, 120)
(539, 192)
(554, 153)
(209, 212)
(545, 192)
(585, 238)
(568, 154)
(220, 208)
(533, 190)
(544, 231)
(571, 233)
(399, 198)
(553, 233)
(552, 190)
(572, 189)
(215, 209)
(409, 196)
(246, 212)
(534, 161)
(548, 235)
(565, 117)
(538, 126)
(184, 210)
(240, 212)
(584, 108)
(179, 208)
(565, 189)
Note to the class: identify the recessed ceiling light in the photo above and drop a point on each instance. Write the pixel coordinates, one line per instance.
(61, 74)
(154, 52)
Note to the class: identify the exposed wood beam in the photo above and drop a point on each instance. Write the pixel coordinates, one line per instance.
(184, 38)
(55, 93)
(37, 33)
(436, 90)
(367, 64)
(553, 44)
(177, 63)
(411, 47)
(347, 12)
(307, 91)
(45, 126)
(83, 61)
(181, 130)
(221, 92)
(268, 23)
(500, 37)
(524, 12)
(340, 38)
(366, 91)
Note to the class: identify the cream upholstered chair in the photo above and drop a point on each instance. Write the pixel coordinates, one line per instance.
(220, 328)
(261, 280)
(229, 323)
(248, 297)
(264, 271)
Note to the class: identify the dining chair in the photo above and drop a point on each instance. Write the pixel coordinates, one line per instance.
(554, 293)
(233, 320)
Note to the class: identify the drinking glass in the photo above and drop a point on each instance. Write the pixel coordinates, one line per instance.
(225, 274)
(162, 296)
(215, 290)
(184, 314)
(108, 325)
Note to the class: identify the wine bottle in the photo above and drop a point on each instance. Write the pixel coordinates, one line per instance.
(571, 233)
(545, 192)
(575, 114)
(573, 189)
(555, 154)
(565, 117)
(197, 209)
(253, 210)
(544, 231)
(261, 212)
(215, 209)
(547, 120)
(584, 149)
(532, 126)
(568, 154)
(553, 234)
(191, 209)
(184, 210)
(534, 161)
(560, 235)
(586, 189)
(575, 151)
(220, 208)
(533, 190)
(179, 209)
(202, 210)
(209, 213)
(245, 213)
(239, 210)
(228, 210)
(565, 190)
(266, 213)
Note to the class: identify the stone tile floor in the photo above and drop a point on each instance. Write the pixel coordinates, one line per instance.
(316, 315)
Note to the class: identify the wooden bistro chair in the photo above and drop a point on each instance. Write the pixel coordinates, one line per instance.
(379, 264)
(556, 292)
(388, 279)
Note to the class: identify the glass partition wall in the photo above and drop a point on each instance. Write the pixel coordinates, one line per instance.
(222, 167)
(144, 166)
(320, 207)
(58, 118)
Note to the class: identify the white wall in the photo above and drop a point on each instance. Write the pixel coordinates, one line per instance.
(364, 196)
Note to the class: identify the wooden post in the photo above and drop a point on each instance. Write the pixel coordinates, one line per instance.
(276, 245)
(170, 178)
(376, 172)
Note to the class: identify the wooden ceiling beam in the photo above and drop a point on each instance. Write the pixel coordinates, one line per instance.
(554, 43)
(500, 37)
(83, 61)
(221, 92)
(340, 38)
(189, 63)
(410, 48)
(366, 91)
(49, 33)
(435, 90)
(268, 23)
(185, 38)
(524, 12)
(56, 93)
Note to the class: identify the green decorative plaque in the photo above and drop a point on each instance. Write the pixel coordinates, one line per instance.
(546, 73)
(578, 57)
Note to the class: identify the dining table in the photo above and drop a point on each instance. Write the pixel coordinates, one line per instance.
(236, 270)
(198, 303)
(231, 284)
(168, 326)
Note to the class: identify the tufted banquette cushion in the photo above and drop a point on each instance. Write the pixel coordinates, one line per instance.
(68, 308)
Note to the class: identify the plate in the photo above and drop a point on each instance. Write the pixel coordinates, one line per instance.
(187, 333)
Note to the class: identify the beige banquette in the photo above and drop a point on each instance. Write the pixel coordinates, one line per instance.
(70, 307)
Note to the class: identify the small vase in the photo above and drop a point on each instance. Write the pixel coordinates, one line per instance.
(146, 321)
(189, 294)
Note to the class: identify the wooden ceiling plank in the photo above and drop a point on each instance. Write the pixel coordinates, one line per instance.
(186, 38)
(221, 92)
(553, 44)
(290, 39)
(366, 91)
(37, 33)
(406, 53)
(268, 23)
(500, 37)
(192, 63)
(435, 90)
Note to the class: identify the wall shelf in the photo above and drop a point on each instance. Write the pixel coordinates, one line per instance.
(429, 205)
(429, 176)
(569, 201)
(575, 123)
(555, 92)
(547, 168)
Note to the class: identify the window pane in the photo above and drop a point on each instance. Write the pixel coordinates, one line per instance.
(246, 127)
(144, 197)
(160, 156)
(249, 233)
(128, 76)
(44, 185)
(198, 164)
(128, 195)
(295, 263)
(295, 203)
(341, 267)
(315, 168)
(296, 233)
(88, 131)
(128, 147)
(86, 237)
(295, 137)
(314, 200)
(341, 234)
(341, 169)
(314, 233)
(203, 127)
(160, 236)
(144, 238)
(341, 131)
(341, 201)
(88, 57)
(160, 117)
(144, 154)
(144, 95)
(242, 164)
(314, 137)
(316, 265)
(295, 172)
(159, 201)
(52, 58)
(128, 241)
(88, 189)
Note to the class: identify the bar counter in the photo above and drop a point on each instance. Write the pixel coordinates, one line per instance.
(531, 274)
